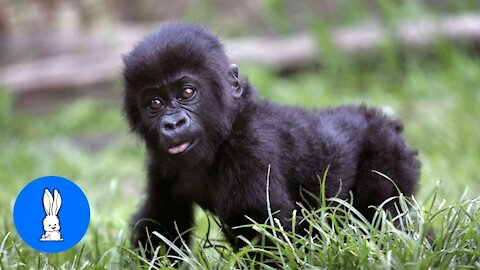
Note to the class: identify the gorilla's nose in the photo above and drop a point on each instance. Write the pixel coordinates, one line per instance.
(175, 123)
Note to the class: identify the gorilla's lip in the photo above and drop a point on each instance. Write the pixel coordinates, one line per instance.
(181, 148)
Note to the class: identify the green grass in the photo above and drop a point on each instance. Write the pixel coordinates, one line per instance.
(434, 235)
(437, 97)
(340, 238)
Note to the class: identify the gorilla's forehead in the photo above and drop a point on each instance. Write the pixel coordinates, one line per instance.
(170, 75)
(150, 67)
(166, 84)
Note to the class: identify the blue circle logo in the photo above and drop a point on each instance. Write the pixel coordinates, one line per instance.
(51, 214)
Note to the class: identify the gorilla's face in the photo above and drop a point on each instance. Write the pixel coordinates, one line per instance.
(185, 115)
(181, 95)
(170, 114)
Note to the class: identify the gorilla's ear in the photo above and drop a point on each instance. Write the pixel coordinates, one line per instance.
(235, 81)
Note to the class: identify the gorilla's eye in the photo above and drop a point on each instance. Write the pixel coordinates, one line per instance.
(186, 93)
(155, 104)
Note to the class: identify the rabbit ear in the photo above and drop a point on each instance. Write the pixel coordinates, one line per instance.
(47, 202)
(57, 202)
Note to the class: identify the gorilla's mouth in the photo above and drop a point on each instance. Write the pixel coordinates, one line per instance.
(183, 147)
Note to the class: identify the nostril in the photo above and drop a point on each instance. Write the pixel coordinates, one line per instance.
(181, 122)
(169, 126)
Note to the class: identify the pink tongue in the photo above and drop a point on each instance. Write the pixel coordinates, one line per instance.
(178, 149)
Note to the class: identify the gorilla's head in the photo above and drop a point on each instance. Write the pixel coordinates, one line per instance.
(181, 93)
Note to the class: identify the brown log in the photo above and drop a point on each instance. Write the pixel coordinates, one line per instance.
(94, 66)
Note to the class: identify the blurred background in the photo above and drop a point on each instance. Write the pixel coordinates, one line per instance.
(61, 89)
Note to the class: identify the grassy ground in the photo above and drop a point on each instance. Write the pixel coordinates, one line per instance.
(88, 141)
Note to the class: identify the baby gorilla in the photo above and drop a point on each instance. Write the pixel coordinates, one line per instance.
(210, 142)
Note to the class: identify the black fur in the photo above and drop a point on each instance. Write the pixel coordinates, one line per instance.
(239, 136)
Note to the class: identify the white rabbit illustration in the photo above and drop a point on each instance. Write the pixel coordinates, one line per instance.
(51, 223)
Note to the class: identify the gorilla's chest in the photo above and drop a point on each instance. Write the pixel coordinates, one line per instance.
(197, 186)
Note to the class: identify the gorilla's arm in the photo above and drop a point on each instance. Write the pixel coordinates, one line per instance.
(243, 195)
(163, 212)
